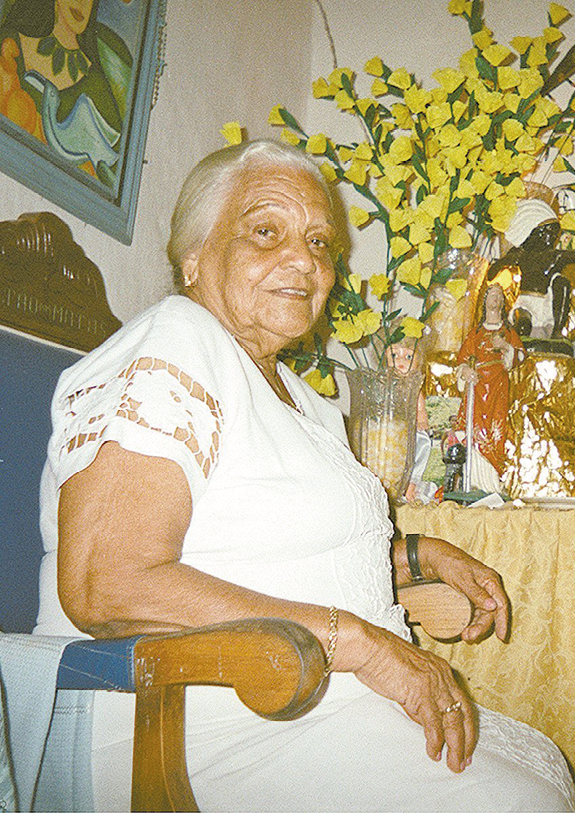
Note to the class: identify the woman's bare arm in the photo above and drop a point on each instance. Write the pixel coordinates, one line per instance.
(122, 522)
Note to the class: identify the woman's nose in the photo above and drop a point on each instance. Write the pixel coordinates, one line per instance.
(298, 254)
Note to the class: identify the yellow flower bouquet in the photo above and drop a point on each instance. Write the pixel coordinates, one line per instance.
(438, 169)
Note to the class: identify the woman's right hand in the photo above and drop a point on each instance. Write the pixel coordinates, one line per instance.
(424, 685)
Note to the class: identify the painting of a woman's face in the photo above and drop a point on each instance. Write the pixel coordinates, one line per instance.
(74, 14)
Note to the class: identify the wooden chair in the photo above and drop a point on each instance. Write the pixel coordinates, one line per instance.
(276, 667)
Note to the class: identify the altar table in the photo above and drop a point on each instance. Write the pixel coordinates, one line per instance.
(532, 676)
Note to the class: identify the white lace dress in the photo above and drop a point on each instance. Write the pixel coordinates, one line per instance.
(280, 506)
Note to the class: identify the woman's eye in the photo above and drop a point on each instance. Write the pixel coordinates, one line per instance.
(320, 242)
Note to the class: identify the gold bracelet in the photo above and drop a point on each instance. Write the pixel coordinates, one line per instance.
(331, 640)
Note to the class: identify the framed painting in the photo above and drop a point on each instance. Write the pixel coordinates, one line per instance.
(77, 81)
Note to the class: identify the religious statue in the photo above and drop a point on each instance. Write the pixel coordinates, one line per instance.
(486, 356)
(542, 307)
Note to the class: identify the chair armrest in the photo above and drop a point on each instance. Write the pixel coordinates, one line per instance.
(275, 666)
(441, 610)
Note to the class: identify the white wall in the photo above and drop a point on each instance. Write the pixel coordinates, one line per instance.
(226, 60)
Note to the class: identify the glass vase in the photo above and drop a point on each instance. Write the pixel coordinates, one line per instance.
(382, 424)
(455, 314)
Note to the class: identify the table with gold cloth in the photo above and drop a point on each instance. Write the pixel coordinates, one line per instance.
(532, 677)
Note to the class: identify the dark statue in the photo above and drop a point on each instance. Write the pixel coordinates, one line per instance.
(541, 265)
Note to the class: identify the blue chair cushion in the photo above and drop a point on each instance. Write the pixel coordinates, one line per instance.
(106, 663)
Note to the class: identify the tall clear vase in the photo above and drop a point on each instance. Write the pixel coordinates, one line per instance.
(382, 424)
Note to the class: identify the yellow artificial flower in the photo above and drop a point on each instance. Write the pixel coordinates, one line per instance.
(559, 165)
(552, 35)
(401, 149)
(232, 132)
(379, 284)
(438, 114)
(512, 129)
(480, 181)
(537, 119)
(448, 78)
(531, 80)
(494, 190)
(437, 174)
(325, 386)
(379, 87)
(468, 64)
(459, 237)
(537, 53)
(456, 287)
(346, 331)
(400, 79)
(425, 251)
(328, 171)
(290, 137)
(568, 221)
(363, 105)
(417, 99)
(402, 116)
(374, 66)
(344, 100)
(363, 151)
(321, 89)
(345, 154)
(275, 117)
(388, 194)
(566, 145)
(399, 246)
(470, 138)
(409, 272)
(521, 44)
(482, 39)
(412, 327)
(316, 144)
(459, 7)
(449, 136)
(369, 321)
(400, 218)
(357, 216)
(558, 14)
(353, 283)
(454, 219)
(425, 278)
(481, 124)
(439, 95)
(432, 205)
(335, 76)
(516, 188)
(512, 101)
(357, 172)
(527, 143)
(489, 101)
(496, 54)
(455, 158)
(459, 108)
(418, 234)
(396, 172)
(507, 77)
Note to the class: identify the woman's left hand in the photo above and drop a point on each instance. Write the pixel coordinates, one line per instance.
(481, 584)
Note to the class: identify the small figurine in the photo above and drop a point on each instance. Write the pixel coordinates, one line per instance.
(542, 306)
(485, 359)
(404, 358)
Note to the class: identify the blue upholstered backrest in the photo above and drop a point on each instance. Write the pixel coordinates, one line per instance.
(29, 370)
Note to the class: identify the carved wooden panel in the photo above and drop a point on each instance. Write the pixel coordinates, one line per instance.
(48, 287)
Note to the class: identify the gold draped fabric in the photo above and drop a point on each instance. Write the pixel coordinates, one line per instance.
(540, 448)
(532, 676)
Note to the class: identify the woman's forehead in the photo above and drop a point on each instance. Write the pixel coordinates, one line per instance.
(279, 185)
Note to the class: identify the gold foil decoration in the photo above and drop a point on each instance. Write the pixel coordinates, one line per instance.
(541, 428)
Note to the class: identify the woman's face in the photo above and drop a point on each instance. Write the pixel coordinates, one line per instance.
(265, 269)
(74, 14)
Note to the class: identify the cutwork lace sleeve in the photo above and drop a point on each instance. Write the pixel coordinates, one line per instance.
(151, 407)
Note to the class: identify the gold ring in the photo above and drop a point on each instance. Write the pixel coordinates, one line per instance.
(453, 707)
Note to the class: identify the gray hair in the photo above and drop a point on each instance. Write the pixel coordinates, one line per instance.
(204, 192)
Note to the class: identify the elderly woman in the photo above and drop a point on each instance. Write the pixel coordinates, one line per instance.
(192, 479)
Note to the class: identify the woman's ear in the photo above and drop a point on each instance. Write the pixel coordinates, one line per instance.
(190, 270)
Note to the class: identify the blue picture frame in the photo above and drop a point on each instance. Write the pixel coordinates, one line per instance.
(76, 158)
